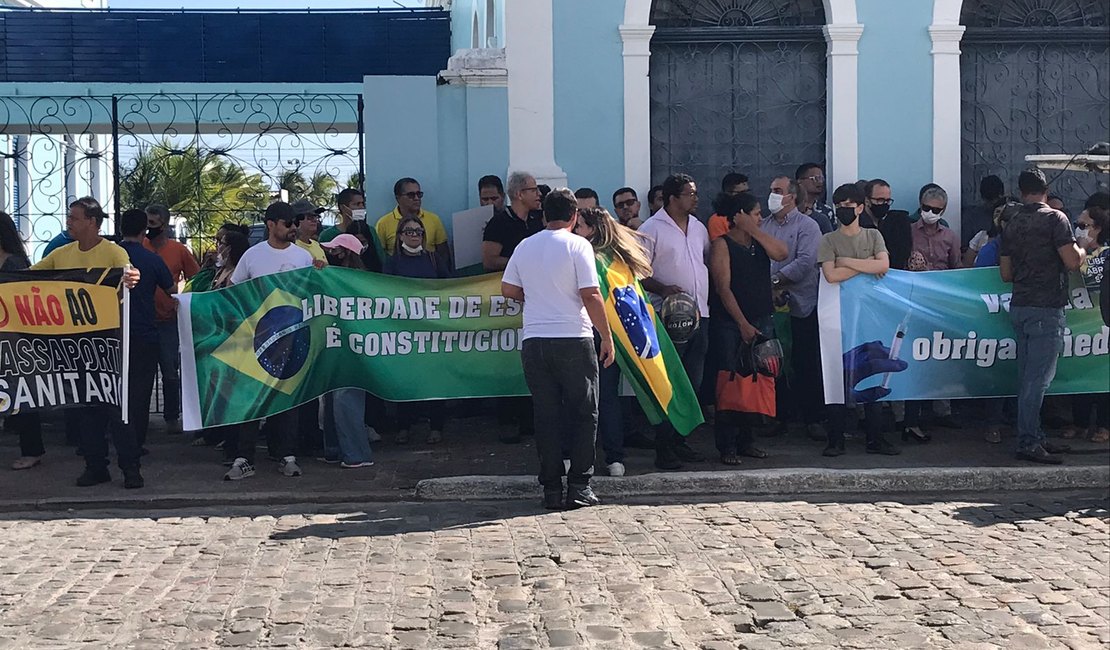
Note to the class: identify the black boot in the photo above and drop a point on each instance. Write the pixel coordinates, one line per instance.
(665, 458)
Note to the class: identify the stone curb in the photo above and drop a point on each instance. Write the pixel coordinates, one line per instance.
(786, 482)
(768, 482)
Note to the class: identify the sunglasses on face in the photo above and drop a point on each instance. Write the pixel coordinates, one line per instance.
(815, 179)
(409, 232)
(929, 208)
(289, 223)
(625, 204)
(412, 196)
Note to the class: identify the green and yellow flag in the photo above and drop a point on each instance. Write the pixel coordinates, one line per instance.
(645, 353)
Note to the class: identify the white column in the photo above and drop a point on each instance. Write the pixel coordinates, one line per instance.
(529, 56)
(842, 136)
(69, 168)
(637, 114)
(946, 116)
(24, 205)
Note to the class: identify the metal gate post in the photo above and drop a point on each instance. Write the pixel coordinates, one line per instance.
(361, 145)
(115, 160)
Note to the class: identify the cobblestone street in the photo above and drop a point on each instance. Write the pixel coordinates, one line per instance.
(1005, 571)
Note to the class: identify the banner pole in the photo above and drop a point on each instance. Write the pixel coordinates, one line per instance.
(125, 333)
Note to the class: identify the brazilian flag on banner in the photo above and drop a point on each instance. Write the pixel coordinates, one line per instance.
(646, 355)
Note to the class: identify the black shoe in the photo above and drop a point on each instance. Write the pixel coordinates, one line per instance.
(92, 477)
(1056, 449)
(1039, 454)
(881, 446)
(686, 453)
(834, 448)
(667, 459)
(582, 498)
(915, 434)
(639, 441)
(553, 500)
(132, 479)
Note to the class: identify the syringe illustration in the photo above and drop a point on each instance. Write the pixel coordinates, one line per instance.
(896, 345)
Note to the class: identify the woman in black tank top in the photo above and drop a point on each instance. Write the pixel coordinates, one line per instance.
(740, 307)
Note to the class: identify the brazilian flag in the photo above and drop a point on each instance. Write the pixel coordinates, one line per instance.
(646, 355)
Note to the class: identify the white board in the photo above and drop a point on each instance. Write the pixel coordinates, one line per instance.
(467, 227)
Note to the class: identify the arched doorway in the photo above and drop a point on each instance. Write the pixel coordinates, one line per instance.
(736, 85)
(1035, 78)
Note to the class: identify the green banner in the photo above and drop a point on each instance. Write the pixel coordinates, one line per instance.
(945, 334)
(271, 344)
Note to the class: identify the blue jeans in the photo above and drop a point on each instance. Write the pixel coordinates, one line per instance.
(345, 436)
(169, 361)
(1039, 332)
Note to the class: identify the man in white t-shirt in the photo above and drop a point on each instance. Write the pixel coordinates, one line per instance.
(274, 255)
(554, 274)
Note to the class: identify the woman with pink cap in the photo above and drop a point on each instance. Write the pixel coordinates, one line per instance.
(346, 439)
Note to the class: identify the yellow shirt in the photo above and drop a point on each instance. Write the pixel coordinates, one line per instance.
(105, 255)
(434, 232)
(315, 249)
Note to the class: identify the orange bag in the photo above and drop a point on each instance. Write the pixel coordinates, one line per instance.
(752, 394)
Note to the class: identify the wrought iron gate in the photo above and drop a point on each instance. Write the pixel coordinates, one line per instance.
(736, 85)
(1035, 78)
(209, 157)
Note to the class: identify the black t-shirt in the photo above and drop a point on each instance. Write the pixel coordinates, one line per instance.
(750, 282)
(505, 228)
(896, 233)
(1032, 240)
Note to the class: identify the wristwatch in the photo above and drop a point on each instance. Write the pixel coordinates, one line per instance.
(776, 280)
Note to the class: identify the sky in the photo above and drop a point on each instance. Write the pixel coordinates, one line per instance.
(260, 4)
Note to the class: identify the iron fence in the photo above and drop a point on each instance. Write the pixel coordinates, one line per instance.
(208, 157)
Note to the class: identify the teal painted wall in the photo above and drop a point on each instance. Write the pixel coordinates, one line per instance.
(447, 137)
(462, 23)
(589, 94)
(896, 96)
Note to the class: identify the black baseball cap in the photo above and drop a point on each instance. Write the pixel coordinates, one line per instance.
(280, 211)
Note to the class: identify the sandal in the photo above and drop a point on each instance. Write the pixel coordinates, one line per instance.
(753, 452)
(1102, 435)
(434, 437)
(1069, 433)
(26, 462)
(730, 459)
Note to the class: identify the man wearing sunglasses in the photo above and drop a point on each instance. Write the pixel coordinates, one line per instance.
(410, 202)
(812, 179)
(627, 206)
(276, 254)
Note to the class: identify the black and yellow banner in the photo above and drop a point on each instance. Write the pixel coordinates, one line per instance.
(61, 341)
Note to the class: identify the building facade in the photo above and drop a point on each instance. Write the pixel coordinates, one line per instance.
(604, 93)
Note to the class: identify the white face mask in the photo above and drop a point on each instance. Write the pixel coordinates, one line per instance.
(930, 217)
(358, 215)
(409, 249)
(1082, 233)
(774, 202)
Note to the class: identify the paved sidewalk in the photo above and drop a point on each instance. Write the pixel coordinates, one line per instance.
(179, 474)
(1008, 571)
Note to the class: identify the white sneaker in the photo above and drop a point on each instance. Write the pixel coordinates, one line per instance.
(616, 469)
(289, 467)
(566, 466)
(373, 434)
(240, 469)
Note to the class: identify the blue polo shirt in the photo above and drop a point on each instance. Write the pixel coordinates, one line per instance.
(152, 273)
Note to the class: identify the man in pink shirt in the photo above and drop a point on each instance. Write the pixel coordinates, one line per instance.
(935, 246)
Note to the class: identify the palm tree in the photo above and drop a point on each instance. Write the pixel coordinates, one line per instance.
(320, 189)
(204, 187)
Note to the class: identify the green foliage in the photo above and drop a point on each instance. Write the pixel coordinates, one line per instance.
(205, 188)
(320, 189)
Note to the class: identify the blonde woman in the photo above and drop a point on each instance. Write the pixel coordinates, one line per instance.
(612, 241)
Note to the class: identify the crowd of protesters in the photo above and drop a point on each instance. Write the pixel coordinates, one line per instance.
(759, 257)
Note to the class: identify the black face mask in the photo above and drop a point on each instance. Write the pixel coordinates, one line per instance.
(153, 233)
(846, 216)
(880, 210)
